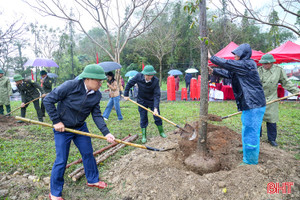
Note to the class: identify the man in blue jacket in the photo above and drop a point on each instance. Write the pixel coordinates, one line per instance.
(76, 100)
(148, 96)
(249, 96)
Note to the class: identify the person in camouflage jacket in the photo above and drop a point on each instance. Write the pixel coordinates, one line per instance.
(29, 90)
(5, 92)
(46, 84)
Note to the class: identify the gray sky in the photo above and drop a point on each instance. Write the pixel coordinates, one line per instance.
(17, 9)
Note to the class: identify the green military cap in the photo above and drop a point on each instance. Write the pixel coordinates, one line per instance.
(149, 70)
(1, 71)
(267, 58)
(18, 77)
(93, 71)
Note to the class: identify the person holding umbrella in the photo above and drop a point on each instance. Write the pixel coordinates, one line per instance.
(188, 78)
(270, 76)
(148, 96)
(46, 84)
(249, 96)
(29, 90)
(5, 93)
(114, 97)
(76, 100)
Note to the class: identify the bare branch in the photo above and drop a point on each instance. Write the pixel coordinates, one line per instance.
(235, 11)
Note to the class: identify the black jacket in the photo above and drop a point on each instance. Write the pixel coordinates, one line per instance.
(149, 92)
(74, 105)
(246, 85)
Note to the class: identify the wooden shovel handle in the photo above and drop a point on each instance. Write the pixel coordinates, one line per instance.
(156, 114)
(91, 135)
(24, 105)
(270, 102)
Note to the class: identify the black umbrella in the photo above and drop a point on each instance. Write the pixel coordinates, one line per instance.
(52, 75)
(110, 66)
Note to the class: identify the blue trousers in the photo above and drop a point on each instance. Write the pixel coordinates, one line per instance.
(62, 145)
(113, 101)
(251, 120)
(144, 114)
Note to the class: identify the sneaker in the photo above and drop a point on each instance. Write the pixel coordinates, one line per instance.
(105, 118)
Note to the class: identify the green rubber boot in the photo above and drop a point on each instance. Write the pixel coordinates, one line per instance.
(161, 131)
(144, 135)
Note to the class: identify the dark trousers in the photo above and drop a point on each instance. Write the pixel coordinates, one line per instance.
(62, 146)
(187, 85)
(2, 109)
(37, 108)
(144, 115)
(271, 131)
(43, 108)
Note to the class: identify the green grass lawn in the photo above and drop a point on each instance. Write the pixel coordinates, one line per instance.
(31, 148)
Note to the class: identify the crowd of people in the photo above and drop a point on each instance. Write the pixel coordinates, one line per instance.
(69, 105)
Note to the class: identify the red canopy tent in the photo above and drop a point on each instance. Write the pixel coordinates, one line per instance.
(288, 52)
(226, 53)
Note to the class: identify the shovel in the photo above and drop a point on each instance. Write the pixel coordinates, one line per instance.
(24, 105)
(159, 116)
(273, 101)
(93, 135)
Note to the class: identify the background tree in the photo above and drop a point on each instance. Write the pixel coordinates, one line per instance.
(8, 34)
(288, 8)
(87, 49)
(160, 40)
(45, 40)
(121, 20)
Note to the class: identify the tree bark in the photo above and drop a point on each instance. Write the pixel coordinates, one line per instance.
(160, 71)
(202, 128)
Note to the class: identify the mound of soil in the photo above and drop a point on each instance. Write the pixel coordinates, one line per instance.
(146, 174)
(7, 122)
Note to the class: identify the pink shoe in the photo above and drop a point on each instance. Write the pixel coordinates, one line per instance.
(100, 185)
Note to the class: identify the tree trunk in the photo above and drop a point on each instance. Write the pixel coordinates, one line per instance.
(160, 71)
(202, 128)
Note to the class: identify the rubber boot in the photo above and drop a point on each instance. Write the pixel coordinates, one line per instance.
(144, 135)
(8, 109)
(161, 131)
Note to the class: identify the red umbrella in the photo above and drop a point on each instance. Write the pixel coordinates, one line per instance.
(288, 52)
(226, 53)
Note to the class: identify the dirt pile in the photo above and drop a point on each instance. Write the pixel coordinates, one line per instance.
(163, 175)
(7, 122)
(223, 146)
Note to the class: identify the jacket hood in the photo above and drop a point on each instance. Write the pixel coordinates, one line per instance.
(244, 51)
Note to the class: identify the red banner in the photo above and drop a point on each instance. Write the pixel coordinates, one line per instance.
(32, 76)
(97, 57)
(143, 65)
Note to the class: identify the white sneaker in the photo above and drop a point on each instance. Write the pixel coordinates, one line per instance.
(105, 119)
